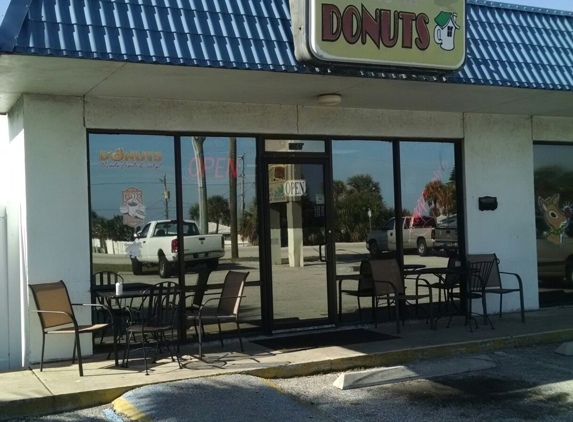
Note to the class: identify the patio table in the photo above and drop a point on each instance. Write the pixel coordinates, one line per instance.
(441, 273)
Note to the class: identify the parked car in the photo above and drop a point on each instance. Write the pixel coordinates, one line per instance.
(446, 235)
(416, 235)
(158, 244)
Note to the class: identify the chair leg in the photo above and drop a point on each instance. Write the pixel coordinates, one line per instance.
(339, 306)
(143, 340)
(78, 347)
(396, 307)
(500, 304)
(240, 339)
(124, 362)
(74, 352)
(374, 311)
(220, 333)
(200, 340)
(359, 308)
(485, 315)
(42, 357)
(522, 307)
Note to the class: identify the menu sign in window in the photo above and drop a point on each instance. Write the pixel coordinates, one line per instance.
(422, 34)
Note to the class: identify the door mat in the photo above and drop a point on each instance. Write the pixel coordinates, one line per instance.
(324, 339)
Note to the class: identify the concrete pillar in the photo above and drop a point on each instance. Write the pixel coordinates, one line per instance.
(275, 233)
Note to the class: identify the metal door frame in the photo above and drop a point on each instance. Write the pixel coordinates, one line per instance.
(324, 159)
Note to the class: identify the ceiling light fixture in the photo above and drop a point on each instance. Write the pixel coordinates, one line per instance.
(329, 99)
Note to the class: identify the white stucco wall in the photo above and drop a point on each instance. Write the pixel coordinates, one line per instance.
(55, 225)
(4, 312)
(163, 115)
(498, 155)
(552, 129)
(50, 196)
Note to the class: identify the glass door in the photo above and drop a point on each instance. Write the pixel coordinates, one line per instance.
(300, 244)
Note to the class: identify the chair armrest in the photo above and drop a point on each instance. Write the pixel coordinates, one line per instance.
(345, 279)
(96, 305)
(72, 318)
(427, 285)
(215, 298)
(517, 276)
(387, 282)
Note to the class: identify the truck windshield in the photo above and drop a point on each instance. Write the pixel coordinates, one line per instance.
(170, 229)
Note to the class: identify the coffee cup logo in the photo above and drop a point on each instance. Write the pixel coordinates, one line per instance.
(445, 30)
(132, 207)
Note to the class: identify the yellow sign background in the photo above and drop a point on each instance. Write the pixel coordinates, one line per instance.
(347, 17)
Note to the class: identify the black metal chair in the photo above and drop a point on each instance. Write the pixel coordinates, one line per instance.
(477, 276)
(227, 309)
(363, 289)
(388, 283)
(118, 312)
(493, 284)
(198, 291)
(156, 316)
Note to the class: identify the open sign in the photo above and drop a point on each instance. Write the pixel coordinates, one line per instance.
(295, 187)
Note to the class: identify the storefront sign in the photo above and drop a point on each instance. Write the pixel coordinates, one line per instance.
(125, 159)
(401, 34)
(132, 207)
(295, 188)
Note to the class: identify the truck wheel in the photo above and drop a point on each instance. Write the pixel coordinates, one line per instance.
(212, 264)
(136, 267)
(422, 248)
(374, 250)
(164, 268)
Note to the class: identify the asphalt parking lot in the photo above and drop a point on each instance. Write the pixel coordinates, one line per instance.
(528, 384)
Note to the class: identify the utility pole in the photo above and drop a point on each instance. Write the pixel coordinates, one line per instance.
(242, 176)
(166, 195)
(233, 196)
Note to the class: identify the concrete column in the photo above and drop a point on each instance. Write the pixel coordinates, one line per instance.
(294, 222)
(275, 233)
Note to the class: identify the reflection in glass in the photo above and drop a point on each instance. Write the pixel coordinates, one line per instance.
(553, 176)
(131, 177)
(219, 195)
(297, 232)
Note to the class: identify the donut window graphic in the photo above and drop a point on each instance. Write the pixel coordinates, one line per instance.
(132, 207)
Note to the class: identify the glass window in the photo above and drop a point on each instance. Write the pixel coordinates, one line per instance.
(219, 177)
(363, 206)
(130, 180)
(553, 176)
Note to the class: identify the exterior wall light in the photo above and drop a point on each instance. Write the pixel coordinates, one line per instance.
(329, 99)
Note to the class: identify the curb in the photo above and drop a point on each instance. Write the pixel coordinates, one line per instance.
(75, 401)
(400, 357)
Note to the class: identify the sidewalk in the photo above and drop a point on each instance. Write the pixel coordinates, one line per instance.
(59, 388)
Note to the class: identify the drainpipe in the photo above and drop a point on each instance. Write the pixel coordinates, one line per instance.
(4, 300)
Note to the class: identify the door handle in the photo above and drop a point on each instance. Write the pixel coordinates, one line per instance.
(321, 257)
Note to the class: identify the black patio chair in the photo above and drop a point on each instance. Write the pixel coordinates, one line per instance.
(227, 308)
(363, 288)
(156, 316)
(493, 284)
(388, 283)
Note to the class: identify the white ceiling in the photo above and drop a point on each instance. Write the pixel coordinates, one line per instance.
(98, 78)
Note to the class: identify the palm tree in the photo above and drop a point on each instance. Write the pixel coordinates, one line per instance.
(248, 223)
(434, 194)
(194, 212)
(218, 210)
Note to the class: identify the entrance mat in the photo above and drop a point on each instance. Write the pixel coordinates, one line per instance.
(324, 339)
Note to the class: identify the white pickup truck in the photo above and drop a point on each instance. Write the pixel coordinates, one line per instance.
(417, 233)
(158, 246)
